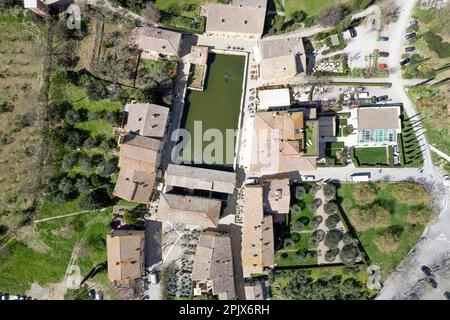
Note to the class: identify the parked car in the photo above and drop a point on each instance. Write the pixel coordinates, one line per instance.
(412, 21)
(382, 98)
(383, 39)
(91, 294)
(154, 279)
(353, 32)
(446, 181)
(410, 35)
(251, 181)
(383, 54)
(410, 49)
(99, 295)
(382, 66)
(405, 61)
(426, 270)
(308, 178)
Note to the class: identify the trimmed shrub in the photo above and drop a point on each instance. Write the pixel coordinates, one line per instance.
(332, 238)
(330, 208)
(348, 254)
(332, 221)
(315, 222)
(300, 192)
(319, 235)
(330, 255)
(329, 191)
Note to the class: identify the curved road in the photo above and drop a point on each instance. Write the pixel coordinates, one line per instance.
(406, 281)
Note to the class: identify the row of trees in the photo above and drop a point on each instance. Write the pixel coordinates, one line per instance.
(302, 286)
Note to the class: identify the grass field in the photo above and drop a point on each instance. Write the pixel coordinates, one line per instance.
(311, 7)
(401, 201)
(371, 156)
(21, 60)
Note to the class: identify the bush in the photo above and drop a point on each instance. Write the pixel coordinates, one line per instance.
(300, 255)
(298, 225)
(313, 242)
(295, 209)
(348, 254)
(319, 235)
(69, 161)
(96, 241)
(3, 229)
(329, 191)
(83, 184)
(374, 216)
(330, 255)
(107, 167)
(96, 199)
(300, 192)
(288, 243)
(332, 238)
(315, 222)
(365, 193)
(330, 208)
(332, 221)
(347, 238)
(434, 42)
(331, 16)
(296, 236)
(6, 107)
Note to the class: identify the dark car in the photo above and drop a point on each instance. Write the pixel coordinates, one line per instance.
(410, 35)
(383, 54)
(405, 62)
(353, 32)
(410, 49)
(433, 283)
(426, 270)
(381, 98)
(383, 39)
(91, 294)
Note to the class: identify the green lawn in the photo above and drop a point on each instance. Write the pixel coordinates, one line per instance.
(371, 156)
(399, 216)
(311, 7)
(312, 138)
(21, 265)
(303, 236)
(332, 147)
(181, 5)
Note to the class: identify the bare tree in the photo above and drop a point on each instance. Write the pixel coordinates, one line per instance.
(331, 16)
(389, 14)
(151, 13)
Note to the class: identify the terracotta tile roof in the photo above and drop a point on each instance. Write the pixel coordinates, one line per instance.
(139, 153)
(162, 41)
(147, 119)
(235, 19)
(200, 178)
(197, 211)
(125, 254)
(136, 186)
(213, 264)
(279, 135)
(257, 234)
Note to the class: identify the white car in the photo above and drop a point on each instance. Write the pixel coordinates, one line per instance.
(251, 181)
(446, 181)
(309, 178)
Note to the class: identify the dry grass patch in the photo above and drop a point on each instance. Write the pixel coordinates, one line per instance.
(412, 194)
(374, 216)
(365, 193)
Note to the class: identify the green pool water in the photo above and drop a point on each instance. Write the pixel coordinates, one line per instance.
(218, 105)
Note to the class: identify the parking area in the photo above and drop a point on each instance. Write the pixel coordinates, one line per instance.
(360, 49)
